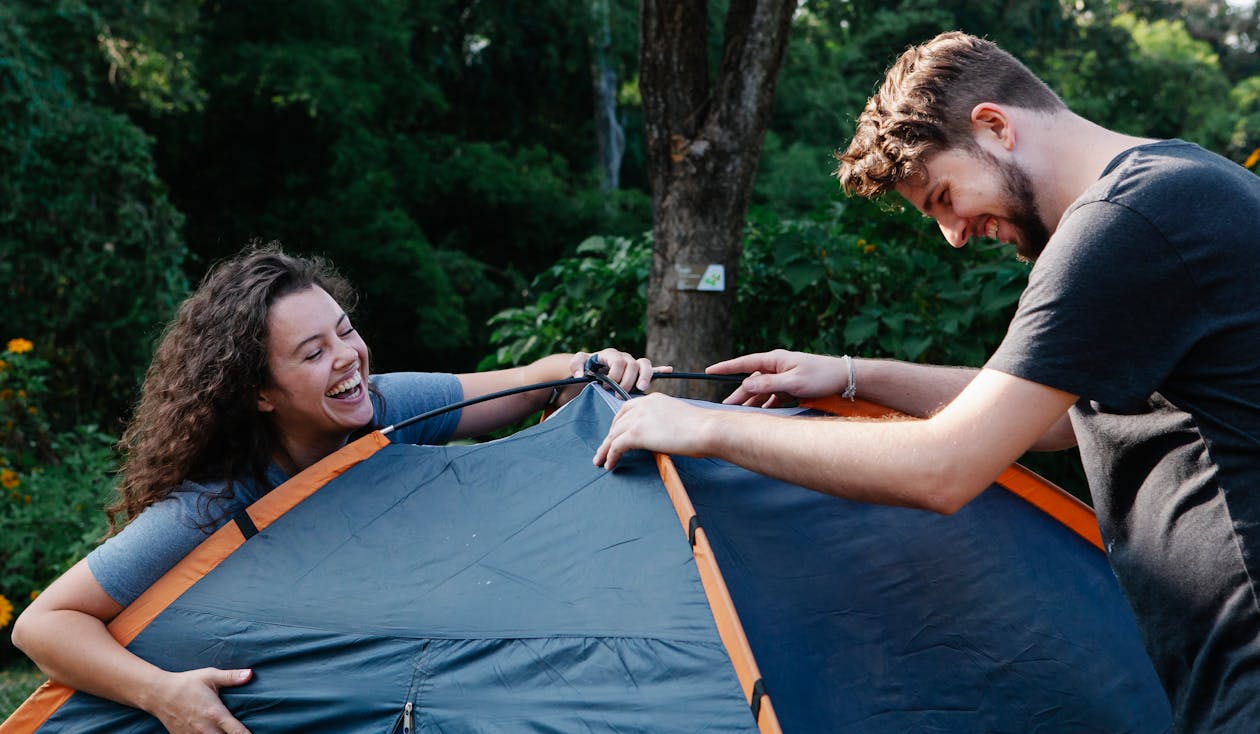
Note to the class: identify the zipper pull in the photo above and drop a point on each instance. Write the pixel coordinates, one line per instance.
(409, 718)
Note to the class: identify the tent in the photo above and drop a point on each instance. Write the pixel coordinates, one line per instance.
(511, 586)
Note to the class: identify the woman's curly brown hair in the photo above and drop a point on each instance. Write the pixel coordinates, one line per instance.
(924, 107)
(198, 416)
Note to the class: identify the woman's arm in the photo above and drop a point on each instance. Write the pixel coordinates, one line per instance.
(624, 369)
(64, 632)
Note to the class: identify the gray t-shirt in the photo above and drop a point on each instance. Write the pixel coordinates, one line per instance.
(1146, 304)
(156, 539)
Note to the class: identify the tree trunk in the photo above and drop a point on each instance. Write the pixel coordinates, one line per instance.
(703, 143)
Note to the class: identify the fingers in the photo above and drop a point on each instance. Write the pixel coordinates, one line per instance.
(604, 455)
(227, 678)
(231, 726)
(618, 441)
(759, 362)
(191, 704)
(623, 368)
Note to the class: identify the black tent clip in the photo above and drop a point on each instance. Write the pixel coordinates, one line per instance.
(598, 371)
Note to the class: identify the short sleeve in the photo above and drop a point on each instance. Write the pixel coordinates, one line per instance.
(1109, 310)
(151, 544)
(403, 395)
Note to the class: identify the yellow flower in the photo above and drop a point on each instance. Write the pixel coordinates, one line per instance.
(868, 249)
(6, 611)
(34, 594)
(19, 345)
(3, 365)
(1251, 159)
(9, 479)
(32, 410)
(5, 394)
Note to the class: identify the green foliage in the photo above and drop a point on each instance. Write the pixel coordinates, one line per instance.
(880, 283)
(387, 134)
(89, 243)
(1244, 137)
(53, 482)
(581, 303)
(1179, 71)
(852, 278)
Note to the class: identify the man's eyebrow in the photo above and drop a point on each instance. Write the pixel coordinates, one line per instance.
(313, 337)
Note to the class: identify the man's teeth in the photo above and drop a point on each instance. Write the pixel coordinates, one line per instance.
(346, 385)
(991, 230)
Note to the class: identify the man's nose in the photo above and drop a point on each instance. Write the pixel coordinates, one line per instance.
(954, 228)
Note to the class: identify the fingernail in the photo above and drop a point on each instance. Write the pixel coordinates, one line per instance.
(243, 674)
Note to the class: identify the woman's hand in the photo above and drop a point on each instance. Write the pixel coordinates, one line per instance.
(188, 702)
(623, 369)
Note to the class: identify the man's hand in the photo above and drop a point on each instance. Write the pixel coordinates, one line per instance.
(780, 375)
(656, 423)
(188, 702)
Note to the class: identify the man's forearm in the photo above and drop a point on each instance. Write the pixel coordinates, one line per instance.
(918, 390)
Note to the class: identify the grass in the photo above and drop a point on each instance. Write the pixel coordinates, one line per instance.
(17, 681)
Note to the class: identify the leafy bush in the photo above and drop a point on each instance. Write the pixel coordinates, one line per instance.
(589, 301)
(860, 278)
(89, 242)
(851, 278)
(52, 486)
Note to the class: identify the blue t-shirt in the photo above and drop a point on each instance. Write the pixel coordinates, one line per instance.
(154, 541)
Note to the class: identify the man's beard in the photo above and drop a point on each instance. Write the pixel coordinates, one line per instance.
(1031, 234)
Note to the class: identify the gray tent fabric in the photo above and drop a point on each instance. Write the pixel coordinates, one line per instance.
(511, 586)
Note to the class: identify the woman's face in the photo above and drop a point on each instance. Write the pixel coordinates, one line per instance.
(318, 365)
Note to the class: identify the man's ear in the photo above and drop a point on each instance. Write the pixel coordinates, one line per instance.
(990, 121)
(264, 403)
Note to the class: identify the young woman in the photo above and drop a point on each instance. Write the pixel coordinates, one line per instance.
(260, 375)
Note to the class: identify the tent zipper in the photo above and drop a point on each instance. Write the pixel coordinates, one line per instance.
(406, 722)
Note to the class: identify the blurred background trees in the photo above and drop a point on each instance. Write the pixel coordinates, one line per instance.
(458, 160)
(446, 153)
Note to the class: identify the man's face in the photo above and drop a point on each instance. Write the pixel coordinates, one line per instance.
(972, 193)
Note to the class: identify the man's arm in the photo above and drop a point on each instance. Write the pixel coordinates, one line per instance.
(938, 464)
(918, 390)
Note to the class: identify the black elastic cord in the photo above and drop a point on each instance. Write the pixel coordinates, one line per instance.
(692, 526)
(607, 381)
(595, 372)
(482, 399)
(700, 376)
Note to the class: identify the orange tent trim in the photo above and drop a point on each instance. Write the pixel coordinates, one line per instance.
(202, 560)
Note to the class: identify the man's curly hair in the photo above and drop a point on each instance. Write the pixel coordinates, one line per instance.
(924, 107)
(198, 416)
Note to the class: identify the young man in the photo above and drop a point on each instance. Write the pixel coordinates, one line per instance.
(1138, 336)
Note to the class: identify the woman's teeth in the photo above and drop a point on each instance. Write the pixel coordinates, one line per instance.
(345, 385)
